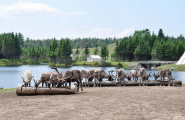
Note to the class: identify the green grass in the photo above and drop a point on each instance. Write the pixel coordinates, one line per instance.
(7, 90)
(183, 84)
(8, 62)
(110, 48)
(174, 66)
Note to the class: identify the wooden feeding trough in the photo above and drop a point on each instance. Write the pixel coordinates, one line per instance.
(21, 90)
(132, 83)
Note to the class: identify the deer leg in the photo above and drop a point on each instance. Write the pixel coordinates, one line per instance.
(85, 82)
(88, 82)
(123, 81)
(119, 82)
(140, 82)
(97, 84)
(78, 86)
(134, 78)
(81, 85)
(100, 81)
(161, 81)
(94, 82)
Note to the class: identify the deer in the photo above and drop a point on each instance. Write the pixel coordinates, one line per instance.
(27, 78)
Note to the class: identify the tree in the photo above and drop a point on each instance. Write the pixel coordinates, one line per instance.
(53, 51)
(77, 51)
(21, 39)
(160, 34)
(18, 49)
(86, 51)
(96, 51)
(104, 52)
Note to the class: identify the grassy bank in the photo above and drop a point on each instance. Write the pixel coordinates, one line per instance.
(174, 66)
(7, 90)
(8, 62)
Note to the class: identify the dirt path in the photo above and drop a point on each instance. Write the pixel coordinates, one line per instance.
(98, 103)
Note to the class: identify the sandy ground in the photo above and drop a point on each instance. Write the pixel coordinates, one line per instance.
(152, 102)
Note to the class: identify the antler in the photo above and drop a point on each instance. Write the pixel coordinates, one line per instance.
(32, 77)
(55, 69)
(149, 73)
(22, 79)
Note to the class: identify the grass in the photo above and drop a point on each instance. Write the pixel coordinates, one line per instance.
(7, 90)
(183, 84)
(174, 66)
(8, 62)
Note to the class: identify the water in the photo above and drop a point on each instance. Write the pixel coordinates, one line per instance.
(11, 76)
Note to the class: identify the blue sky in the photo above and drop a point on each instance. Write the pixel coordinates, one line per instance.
(42, 19)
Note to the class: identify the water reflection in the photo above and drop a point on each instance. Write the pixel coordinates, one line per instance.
(11, 76)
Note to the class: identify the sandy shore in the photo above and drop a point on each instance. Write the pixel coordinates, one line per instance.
(98, 103)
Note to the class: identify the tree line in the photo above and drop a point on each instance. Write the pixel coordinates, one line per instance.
(10, 45)
(143, 45)
(57, 52)
(77, 42)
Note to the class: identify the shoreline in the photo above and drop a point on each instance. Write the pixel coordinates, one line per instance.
(125, 65)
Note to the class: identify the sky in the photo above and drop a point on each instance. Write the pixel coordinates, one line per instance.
(43, 19)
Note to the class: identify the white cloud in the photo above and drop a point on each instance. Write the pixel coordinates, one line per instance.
(28, 8)
(109, 32)
(85, 26)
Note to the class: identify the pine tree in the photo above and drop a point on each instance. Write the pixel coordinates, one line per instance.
(53, 51)
(104, 52)
(161, 34)
(96, 51)
(86, 51)
(18, 50)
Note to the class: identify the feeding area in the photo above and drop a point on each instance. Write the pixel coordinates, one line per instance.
(57, 83)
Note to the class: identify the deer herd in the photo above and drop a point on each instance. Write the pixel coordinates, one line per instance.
(57, 79)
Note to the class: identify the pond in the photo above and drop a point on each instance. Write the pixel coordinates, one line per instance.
(11, 76)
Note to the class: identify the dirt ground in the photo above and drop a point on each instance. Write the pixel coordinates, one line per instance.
(142, 103)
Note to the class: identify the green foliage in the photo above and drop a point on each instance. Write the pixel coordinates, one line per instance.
(10, 47)
(108, 64)
(96, 51)
(104, 52)
(119, 65)
(144, 46)
(86, 51)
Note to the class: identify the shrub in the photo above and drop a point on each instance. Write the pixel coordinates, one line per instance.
(120, 65)
(108, 64)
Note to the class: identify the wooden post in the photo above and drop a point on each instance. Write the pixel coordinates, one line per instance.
(21, 90)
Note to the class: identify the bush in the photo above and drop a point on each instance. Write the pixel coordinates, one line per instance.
(96, 64)
(120, 65)
(108, 64)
